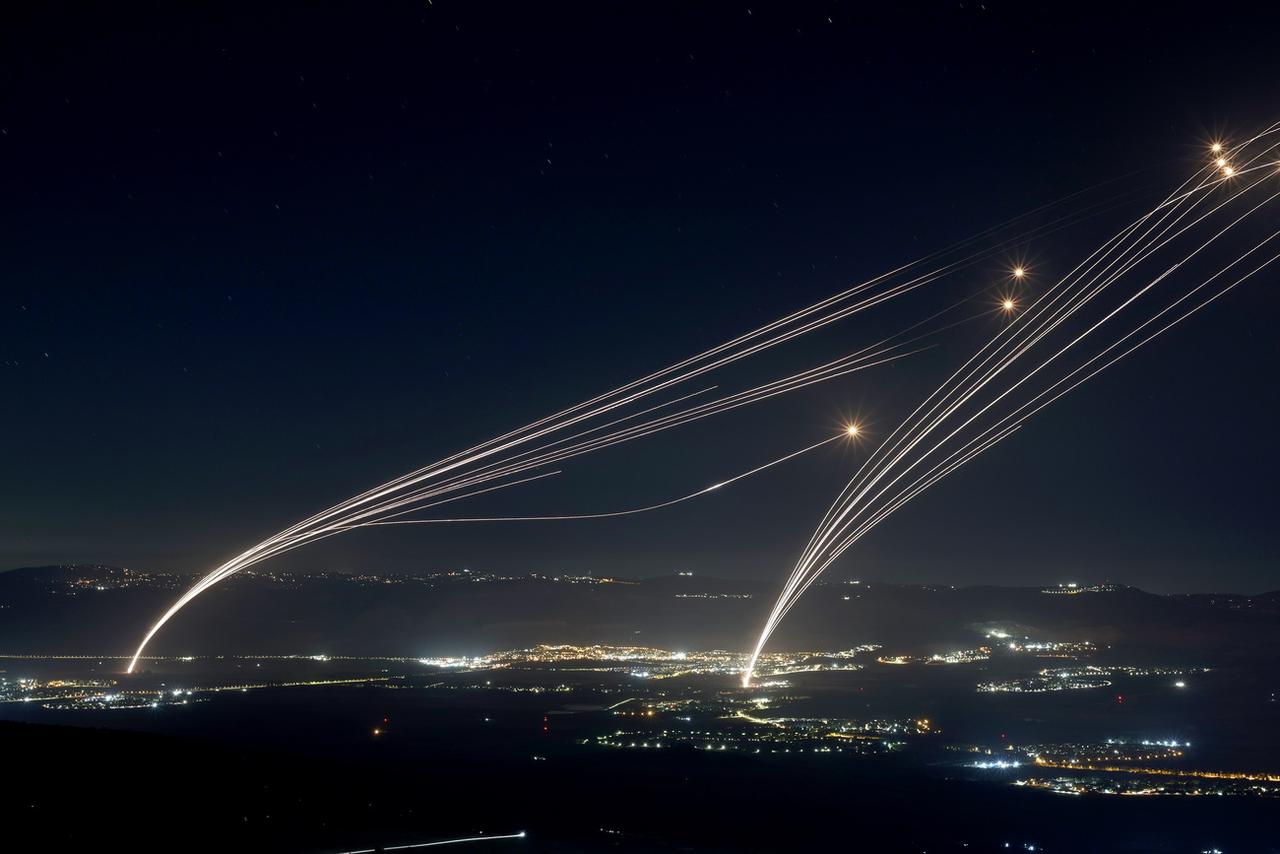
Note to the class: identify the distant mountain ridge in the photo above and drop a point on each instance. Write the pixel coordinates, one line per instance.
(1269, 600)
(96, 609)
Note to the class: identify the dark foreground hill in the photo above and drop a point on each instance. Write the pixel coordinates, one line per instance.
(150, 792)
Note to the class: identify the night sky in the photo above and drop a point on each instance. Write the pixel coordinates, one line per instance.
(258, 258)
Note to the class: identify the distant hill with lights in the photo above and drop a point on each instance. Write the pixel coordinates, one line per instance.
(92, 609)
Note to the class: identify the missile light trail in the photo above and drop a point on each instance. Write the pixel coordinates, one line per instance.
(874, 494)
(878, 489)
(458, 473)
(849, 432)
(640, 427)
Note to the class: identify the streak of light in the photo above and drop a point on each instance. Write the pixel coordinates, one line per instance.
(296, 536)
(857, 510)
(459, 841)
(416, 489)
(852, 431)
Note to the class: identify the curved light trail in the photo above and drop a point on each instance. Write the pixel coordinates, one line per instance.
(611, 418)
(912, 458)
(843, 434)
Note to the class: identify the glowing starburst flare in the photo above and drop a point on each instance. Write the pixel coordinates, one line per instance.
(1216, 148)
(1019, 272)
(1008, 305)
(851, 430)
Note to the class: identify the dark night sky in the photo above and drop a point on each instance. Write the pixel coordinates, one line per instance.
(255, 260)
